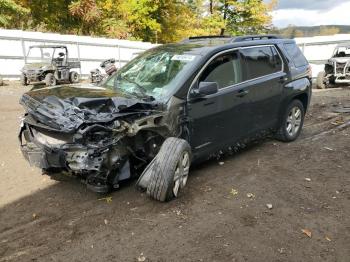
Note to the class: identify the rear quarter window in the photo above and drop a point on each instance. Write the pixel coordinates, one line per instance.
(295, 54)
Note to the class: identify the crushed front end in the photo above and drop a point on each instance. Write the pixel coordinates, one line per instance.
(103, 139)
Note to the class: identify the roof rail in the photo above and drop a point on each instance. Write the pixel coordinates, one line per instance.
(254, 37)
(209, 36)
(193, 38)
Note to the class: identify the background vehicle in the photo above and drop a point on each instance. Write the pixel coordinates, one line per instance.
(50, 64)
(337, 68)
(167, 108)
(109, 67)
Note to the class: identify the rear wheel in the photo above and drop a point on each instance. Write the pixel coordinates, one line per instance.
(292, 122)
(169, 170)
(24, 80)
(50, 80)
(73, 77)
(320, 80)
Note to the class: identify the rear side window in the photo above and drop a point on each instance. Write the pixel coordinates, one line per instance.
(226, 70)
(297, 56)
(261, 61)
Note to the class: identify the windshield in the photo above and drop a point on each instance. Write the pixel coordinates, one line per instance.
(342, 52)
(43, 54)
(155, 73)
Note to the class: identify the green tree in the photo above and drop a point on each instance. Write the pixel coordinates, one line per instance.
(11, 12)
(246, 16)
(87, 12)
(326, 30)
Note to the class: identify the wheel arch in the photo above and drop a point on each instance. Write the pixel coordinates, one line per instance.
(304, 99)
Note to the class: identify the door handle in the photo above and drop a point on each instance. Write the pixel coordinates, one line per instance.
(282, 79)
(242, 93)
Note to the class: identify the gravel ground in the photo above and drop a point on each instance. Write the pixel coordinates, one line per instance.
(222, 214)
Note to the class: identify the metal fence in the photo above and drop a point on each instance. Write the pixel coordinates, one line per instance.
(319, 52)
(13, 54)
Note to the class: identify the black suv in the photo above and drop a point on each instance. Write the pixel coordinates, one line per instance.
(169, 107)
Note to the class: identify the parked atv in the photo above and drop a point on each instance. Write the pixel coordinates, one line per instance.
(49, 64)
(96, 76)
(337, 68)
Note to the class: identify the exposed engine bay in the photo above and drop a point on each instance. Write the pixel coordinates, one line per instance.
(96, 134)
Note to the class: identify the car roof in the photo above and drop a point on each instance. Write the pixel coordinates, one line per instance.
(208, 44)
(48, 46)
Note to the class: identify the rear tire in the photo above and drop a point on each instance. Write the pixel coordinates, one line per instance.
(292, 122)
(50, 80)
(24, 80)
(74, 77)
(169, 170)
(320, 80)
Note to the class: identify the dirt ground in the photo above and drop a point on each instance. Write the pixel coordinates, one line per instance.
(307, 182)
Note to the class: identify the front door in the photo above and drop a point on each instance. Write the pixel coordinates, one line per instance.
(221, 118)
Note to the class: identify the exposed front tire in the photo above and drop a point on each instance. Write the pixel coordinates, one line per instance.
(292, 122)
(169, 170)
(320, 80)
(50, 80)
(24, 80)
(74, 77)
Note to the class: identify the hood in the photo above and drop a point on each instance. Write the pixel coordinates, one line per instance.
(339, 59)
(35, 66)
(66, 108)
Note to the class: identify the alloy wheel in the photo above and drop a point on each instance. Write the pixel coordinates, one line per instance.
(181, 172)
(294, 121)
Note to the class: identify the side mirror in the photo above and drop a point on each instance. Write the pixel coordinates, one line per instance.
(205, 88)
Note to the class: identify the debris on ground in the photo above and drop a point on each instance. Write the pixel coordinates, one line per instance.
(342, 109)
(105, 221)
(307, 232)
(250, 195)
(328, 239)
(207, 189)
(234, 192)
(221, 163)
(328, 148)
(108, 199)
(269, 206)
(307, 179)
(141, 258)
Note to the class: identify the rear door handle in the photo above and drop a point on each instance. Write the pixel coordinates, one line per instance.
(242, 93)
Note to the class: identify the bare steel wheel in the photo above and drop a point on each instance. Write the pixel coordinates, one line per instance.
(292, 122)
(181, 173)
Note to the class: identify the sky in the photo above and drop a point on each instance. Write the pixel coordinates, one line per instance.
(311, 12)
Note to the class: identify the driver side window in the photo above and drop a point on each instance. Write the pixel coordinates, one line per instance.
(225, 70)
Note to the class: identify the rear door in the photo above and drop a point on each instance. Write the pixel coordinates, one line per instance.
(265, 76)
(220, 118)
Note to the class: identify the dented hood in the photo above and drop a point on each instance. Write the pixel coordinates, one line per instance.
(66, 108)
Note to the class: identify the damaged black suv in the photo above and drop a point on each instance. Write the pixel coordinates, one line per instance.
(169, 107)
